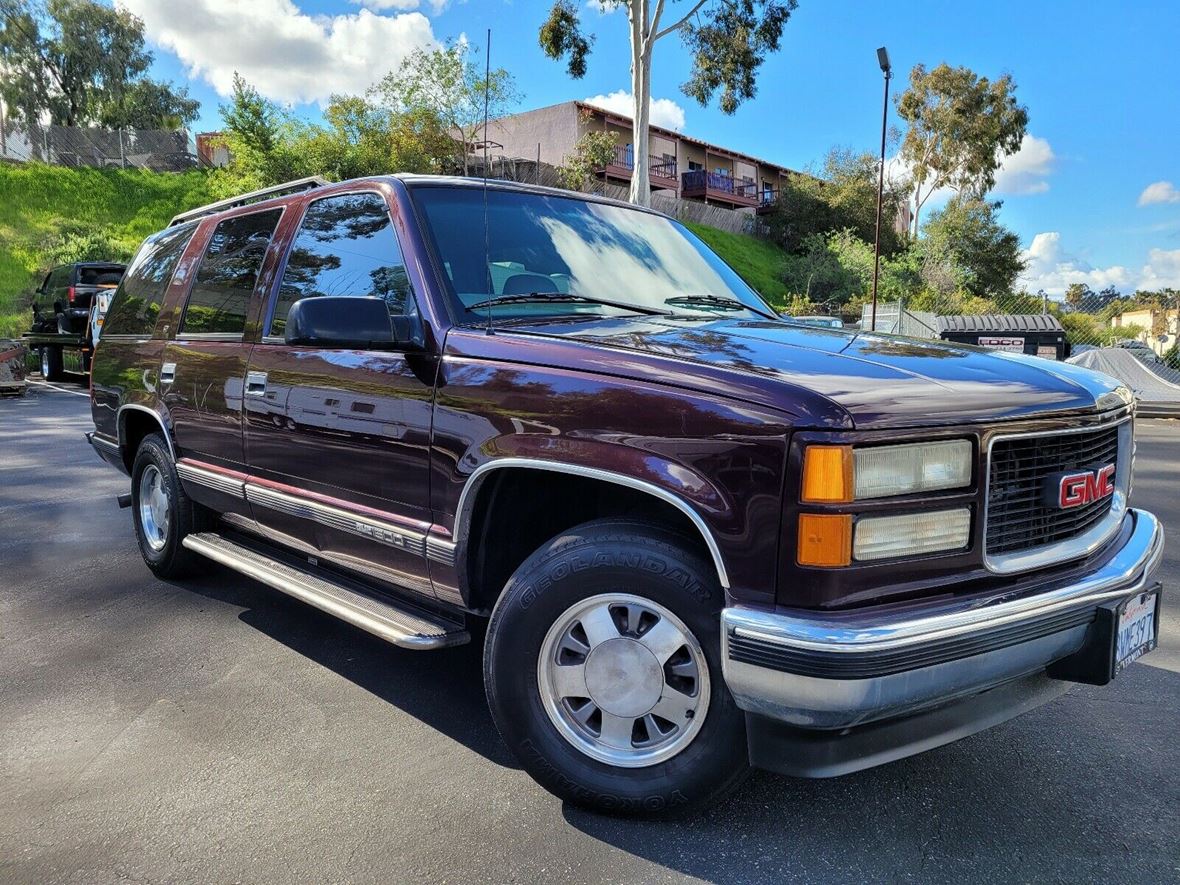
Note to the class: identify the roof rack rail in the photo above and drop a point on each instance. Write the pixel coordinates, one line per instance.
(289, 187)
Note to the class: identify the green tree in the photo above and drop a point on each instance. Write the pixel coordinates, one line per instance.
(843, 195)
(448, 84)
(1076, 293)
(967, 234)
(149, 104)
(728, 40)
(257, 134)
(82, 62)
(961, 126)
(593, 150)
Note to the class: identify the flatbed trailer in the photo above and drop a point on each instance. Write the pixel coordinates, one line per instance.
(60, 353)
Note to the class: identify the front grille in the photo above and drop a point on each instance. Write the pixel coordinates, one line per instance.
(1017, 518)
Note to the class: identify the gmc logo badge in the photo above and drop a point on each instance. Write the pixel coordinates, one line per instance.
(1067, 490)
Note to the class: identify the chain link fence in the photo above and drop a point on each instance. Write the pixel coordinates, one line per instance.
(155, 149)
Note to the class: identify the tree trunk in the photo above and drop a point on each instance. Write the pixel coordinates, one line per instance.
(641, 92)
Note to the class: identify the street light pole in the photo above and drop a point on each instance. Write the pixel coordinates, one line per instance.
(883, 60)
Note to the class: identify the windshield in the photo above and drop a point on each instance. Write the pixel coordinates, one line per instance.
(546, 244)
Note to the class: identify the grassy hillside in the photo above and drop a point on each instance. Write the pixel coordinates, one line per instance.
(759, 263)
(52, 214)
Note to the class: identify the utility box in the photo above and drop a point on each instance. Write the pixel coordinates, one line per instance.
(1035, 334)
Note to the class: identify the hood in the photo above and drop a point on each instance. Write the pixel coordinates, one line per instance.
(878, 380)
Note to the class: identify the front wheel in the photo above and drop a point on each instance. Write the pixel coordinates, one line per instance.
(603, 672)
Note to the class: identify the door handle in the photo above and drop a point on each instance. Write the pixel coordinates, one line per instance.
(256, 383)
(167, 373)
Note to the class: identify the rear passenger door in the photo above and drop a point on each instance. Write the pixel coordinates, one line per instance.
(338, 440)
(203, 370)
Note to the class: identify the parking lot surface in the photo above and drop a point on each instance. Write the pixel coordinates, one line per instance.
(216, 730)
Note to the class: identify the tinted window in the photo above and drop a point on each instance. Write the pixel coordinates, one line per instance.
(137, 301)
(99, 276)
(346, 246)
(229, 269)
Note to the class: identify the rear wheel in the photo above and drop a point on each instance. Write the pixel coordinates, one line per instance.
(163, 514)
(603, 672)
(51, 363)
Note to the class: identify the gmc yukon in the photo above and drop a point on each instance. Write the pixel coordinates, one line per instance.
(694, 536)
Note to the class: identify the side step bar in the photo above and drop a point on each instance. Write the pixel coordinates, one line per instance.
(408, 629)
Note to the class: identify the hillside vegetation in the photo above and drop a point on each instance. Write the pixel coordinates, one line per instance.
(53, 215)
(761, 264)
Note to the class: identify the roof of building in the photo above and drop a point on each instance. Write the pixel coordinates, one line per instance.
(671, 133)
(1001, 322)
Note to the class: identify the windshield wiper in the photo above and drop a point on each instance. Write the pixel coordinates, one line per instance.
(718, 301)
(721, 302)
(564, 298)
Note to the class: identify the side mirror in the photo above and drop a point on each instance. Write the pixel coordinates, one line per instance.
(344, 321)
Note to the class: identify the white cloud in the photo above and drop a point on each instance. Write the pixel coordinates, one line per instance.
(664, 112)
(1052, 268)
(1159, 192)
(1162, 270)
(436, 6)
(1024, 172)
(285, 53)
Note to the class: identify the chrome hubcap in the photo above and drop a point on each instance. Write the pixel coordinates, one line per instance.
(44, 363)
(154, 516)
(623, 680)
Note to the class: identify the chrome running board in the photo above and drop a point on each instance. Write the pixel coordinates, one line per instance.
(381, 617)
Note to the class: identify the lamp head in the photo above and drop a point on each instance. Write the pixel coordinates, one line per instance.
(883, 60)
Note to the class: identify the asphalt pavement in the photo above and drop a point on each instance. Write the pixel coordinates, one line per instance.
(215, 730)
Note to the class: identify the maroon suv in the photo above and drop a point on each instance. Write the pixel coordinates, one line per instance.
(703, 536)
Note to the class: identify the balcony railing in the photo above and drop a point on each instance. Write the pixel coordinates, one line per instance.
(658, 167)
(699, 182)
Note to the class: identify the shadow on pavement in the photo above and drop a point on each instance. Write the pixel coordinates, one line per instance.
(443, 689)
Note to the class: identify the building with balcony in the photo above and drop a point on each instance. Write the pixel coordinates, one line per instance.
(687, 167)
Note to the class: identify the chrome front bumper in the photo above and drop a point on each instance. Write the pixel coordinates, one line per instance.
(832, 670)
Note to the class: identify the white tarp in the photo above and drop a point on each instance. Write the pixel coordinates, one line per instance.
(1155, 385)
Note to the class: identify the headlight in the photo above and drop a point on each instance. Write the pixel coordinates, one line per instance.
(842, 474)
(910, 534)
(904, 470)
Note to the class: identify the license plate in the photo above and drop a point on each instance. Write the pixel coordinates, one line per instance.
(1136, 629)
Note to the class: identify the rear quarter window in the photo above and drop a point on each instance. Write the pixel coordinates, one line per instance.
(136, 303)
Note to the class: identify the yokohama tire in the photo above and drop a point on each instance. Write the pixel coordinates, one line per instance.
(611, 560)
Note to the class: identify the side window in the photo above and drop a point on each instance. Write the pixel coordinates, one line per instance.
(346, 245)
(136, 302)
(225, 280)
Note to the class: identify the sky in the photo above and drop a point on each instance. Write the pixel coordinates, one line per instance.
(1094, 192)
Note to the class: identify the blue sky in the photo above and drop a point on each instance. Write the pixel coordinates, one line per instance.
(1094, 194)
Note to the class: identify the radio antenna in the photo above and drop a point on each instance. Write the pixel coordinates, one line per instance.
(487, 237)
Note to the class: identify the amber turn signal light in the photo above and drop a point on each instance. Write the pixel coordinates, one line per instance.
(827, 474)
(825, 539)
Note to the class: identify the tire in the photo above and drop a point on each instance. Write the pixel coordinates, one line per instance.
(64, 326)
(51, 363)
(160, 527)
(642, 578)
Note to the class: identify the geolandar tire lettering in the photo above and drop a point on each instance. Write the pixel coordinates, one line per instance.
(163, 514)
(603, 672)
